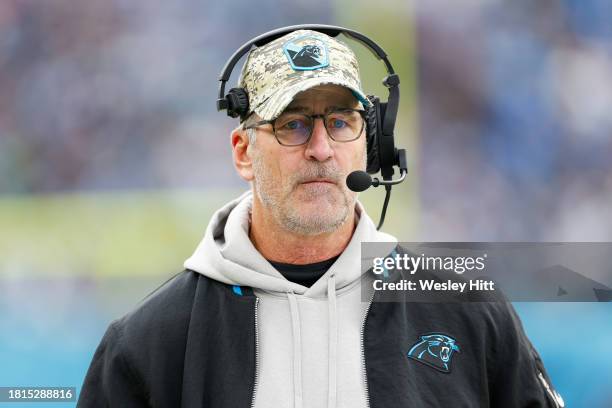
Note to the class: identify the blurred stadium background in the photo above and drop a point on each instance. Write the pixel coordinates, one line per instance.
(112, 157)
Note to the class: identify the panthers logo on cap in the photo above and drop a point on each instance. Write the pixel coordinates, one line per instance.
(306, 53)
(434, 350)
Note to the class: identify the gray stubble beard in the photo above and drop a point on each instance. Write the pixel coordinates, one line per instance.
(277, 201)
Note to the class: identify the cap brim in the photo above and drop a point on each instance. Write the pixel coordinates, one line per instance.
(277, 102)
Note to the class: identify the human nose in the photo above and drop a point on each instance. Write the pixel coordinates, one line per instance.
(319, 146)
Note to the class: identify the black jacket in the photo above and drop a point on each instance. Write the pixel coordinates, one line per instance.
(192, 343)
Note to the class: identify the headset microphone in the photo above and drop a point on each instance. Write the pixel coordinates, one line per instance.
(359, 181)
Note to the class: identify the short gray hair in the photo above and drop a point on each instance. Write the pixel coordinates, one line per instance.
(252, 134)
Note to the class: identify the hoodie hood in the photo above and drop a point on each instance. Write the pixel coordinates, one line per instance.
(226, 253)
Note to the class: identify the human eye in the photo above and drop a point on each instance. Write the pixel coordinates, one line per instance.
(292, 123)
(295, 124)
(338, 123)
(341, 119)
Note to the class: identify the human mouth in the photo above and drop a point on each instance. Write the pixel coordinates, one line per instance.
(318, 185)
(319, 181)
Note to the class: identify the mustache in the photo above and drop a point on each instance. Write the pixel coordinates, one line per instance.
(318, 171)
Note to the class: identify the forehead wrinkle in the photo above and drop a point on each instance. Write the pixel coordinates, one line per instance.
(297, 109)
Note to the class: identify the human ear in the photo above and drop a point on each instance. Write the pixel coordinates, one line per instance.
(241, 153)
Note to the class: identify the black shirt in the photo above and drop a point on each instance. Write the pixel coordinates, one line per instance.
(305, 275)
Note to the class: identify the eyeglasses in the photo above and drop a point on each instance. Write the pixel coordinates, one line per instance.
(295, 129)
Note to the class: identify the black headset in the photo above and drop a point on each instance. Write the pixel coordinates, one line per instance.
(381, 151)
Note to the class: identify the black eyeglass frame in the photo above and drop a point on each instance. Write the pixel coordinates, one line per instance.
(313, 118)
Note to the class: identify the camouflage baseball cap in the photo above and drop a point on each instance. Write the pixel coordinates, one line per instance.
(275, 72)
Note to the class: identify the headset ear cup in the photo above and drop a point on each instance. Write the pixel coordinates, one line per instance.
(237, 103)
(372, 121)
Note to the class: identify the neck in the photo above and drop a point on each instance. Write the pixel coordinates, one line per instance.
(277, 244)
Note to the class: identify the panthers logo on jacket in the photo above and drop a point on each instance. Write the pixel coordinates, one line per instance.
(435, 350)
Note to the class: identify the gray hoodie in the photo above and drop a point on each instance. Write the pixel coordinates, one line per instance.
(308, 340)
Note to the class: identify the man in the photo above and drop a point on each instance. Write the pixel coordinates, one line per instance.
(268, 312)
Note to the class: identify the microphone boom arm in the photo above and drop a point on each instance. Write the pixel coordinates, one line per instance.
(402, 163)
(377, 182)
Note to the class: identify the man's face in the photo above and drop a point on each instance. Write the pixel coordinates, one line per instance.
(304, 186)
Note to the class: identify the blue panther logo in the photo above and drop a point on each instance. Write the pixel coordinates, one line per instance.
(306, 53)
(435, 350)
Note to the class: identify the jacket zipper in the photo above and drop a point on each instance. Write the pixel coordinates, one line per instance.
(256, 355)
(363, 361)
(551, 392)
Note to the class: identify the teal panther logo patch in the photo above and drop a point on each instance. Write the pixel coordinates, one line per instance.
(306, 53)
(434, 350)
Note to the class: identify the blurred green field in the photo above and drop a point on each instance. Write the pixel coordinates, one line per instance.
(128, 233)
(104, 233)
